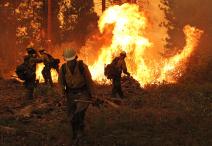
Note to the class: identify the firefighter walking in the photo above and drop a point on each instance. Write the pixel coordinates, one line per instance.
(76, 82)
(114, 70)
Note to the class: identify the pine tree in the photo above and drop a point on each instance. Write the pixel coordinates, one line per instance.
(83, 21)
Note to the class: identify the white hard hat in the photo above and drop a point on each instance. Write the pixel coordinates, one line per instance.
(69, 54)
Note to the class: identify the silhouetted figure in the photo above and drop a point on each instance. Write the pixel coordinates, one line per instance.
(114, 70)
(27, 71)
(49, 63)
(76, 82)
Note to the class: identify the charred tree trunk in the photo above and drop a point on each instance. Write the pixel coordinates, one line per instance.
(103, 5)
(49, 24)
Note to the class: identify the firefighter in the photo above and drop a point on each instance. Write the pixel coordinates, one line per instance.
(76, 82)
(29, 71)
(120, 65)
(49, 63)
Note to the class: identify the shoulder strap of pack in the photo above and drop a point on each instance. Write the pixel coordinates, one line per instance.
(67, 69)
(64, 68)
(115, 61)
(81, 66)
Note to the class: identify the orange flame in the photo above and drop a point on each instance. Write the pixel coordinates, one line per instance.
(129, 26)
(192, 39)
(39, 75)
(127, 35)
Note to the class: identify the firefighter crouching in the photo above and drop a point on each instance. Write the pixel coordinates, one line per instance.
(27, 71)
(76, 82)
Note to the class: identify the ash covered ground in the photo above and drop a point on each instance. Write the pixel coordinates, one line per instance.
(159, 115)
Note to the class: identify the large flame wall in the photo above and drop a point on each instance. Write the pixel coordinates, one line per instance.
(129, 26)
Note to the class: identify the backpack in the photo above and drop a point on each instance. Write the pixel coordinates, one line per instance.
(54, 63)
(111, 70)
(22, 71)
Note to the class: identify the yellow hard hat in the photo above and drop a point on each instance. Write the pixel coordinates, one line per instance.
(69, 54)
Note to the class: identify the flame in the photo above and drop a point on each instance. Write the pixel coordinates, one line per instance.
(192, 39)
(63, 7)
(39, 75)
(128, 26)
(29, 21)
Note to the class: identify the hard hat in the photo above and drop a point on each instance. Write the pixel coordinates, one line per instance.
(30, 51)
(123, 53)
(42, 50)
(69, 54)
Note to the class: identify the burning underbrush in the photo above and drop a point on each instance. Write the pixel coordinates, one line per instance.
(158, 114)
(126, 26)
(129, 34)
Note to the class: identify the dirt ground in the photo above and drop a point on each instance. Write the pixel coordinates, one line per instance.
(159, 115)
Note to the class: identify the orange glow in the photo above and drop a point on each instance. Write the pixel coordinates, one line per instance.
(63, 6)
(192, 39)
(39, 75)
(129, 26)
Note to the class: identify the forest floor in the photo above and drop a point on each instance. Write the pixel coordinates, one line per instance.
(159, 115)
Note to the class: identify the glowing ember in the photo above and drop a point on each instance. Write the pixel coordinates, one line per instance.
(128, 29)
(39, 75)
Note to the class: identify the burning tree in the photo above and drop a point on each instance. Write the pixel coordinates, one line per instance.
(77, 20)
(72, 21)
(179, 13)
(29, 16)
(129, 26)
